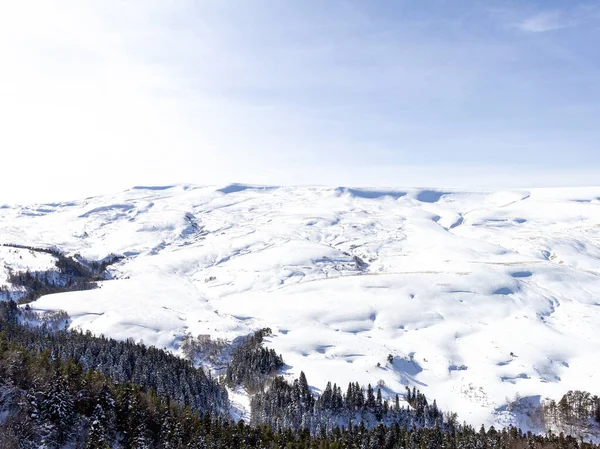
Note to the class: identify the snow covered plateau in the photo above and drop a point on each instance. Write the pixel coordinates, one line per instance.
(477, 295)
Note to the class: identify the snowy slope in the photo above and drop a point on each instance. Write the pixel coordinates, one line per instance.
(449, 282)
(17, 260)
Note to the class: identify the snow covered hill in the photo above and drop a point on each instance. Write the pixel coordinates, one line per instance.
(477, 295)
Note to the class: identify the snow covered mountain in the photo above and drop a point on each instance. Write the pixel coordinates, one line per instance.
(477, 295)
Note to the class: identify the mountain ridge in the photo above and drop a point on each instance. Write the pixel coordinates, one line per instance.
(450, 282)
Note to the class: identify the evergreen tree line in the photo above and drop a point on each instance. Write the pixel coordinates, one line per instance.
(243, 362)
(251, 364)
(71, 274)
(51, 403)
(293, 406)
(574, 412)
(64, 389)
(149, 367)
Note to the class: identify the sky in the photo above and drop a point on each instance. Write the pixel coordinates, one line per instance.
(97, 96)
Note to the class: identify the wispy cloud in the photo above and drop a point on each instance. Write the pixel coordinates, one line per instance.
(546, 21)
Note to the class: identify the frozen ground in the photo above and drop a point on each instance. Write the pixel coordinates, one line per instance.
(477, 295)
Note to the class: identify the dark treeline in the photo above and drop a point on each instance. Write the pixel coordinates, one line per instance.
(126, 361)
(574, 412)
(57, 404)
(63, 389)
(243, 362)
(293, 406)
(52, 251)
(72, 273)
(251, 364)
(52, 403)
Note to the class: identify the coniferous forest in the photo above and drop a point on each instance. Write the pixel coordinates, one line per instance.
(71, 273)
(67, 389)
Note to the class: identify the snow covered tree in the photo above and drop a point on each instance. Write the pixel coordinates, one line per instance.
(97, 435)
(370, 398)
(57, 407)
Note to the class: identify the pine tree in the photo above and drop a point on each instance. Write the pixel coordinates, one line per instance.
(140, 438)
(359, 396)
(370, 398)
(434, 410)
(349, 399)
(564, 409)
(327, 397)
(58, 407)
(304, 389)
(97, 438)
(338, 401)
(106, 400)
(171, 431)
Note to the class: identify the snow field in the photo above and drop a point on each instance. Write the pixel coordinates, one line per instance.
(448, 282)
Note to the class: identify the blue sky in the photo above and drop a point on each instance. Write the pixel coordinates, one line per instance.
(364, 93)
